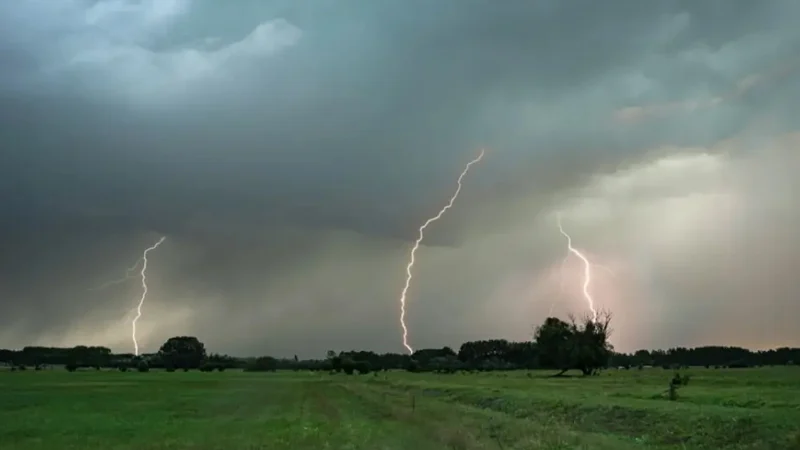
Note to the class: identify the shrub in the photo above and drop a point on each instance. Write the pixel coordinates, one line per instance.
(169, 369)
(262, 364)
(363, 367)
(676, 383)
(71, 367)
(143, 366)
(348, 366)
(122, 367)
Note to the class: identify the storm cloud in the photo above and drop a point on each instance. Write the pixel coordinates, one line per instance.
(289, 151)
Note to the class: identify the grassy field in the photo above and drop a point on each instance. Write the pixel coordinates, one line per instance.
(719, 409)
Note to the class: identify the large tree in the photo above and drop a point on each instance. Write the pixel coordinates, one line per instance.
(554, 344)
(591, 350)
(183, 352)
(581, 345)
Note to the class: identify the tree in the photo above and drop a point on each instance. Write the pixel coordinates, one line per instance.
(183, 352)
(574, 345)
(590, 349)
(262, 364)
(444, 364)
(553, 342)
(362, 367)
(348, 365)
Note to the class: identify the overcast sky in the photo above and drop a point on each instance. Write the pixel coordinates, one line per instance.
(289, 150)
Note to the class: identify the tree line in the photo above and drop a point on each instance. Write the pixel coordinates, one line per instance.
(556, 345)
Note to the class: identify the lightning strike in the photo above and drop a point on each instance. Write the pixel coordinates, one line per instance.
(128, 275)
(142, 273)
(561, 283)
(420, 237)
(587, 270)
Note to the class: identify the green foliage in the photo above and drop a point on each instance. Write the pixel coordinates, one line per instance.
(348, 366)
(183, 352)
(676, 383)
(262, 364)
(337, 364)
(445, 364)
(71, 367)
(210, 366)
(220, 362)
(142, 366)
(168, 366)
(591, 350)
(554, 341)
(484, 355)
(574, 345)
(362, 367)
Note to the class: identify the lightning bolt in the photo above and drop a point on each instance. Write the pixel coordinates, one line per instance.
(587, 270)
(128, 276)
(144, 293)
(561, 285)
(414, 249)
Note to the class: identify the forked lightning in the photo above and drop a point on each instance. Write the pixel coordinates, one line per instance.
(128, 275)
(143, 274)
(421, 236)
(587, 270)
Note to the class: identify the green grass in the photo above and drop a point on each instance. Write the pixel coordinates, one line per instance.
(719, 409)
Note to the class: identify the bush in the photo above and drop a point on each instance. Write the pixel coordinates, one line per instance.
(143, 366)
(363, 367)
(348, 366)
(71, 367)
(676, 383)
(122, 367)
(262, 364)
(207, 367)
(169, 369)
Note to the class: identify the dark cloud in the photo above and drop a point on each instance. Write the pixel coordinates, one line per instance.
(289, 151)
